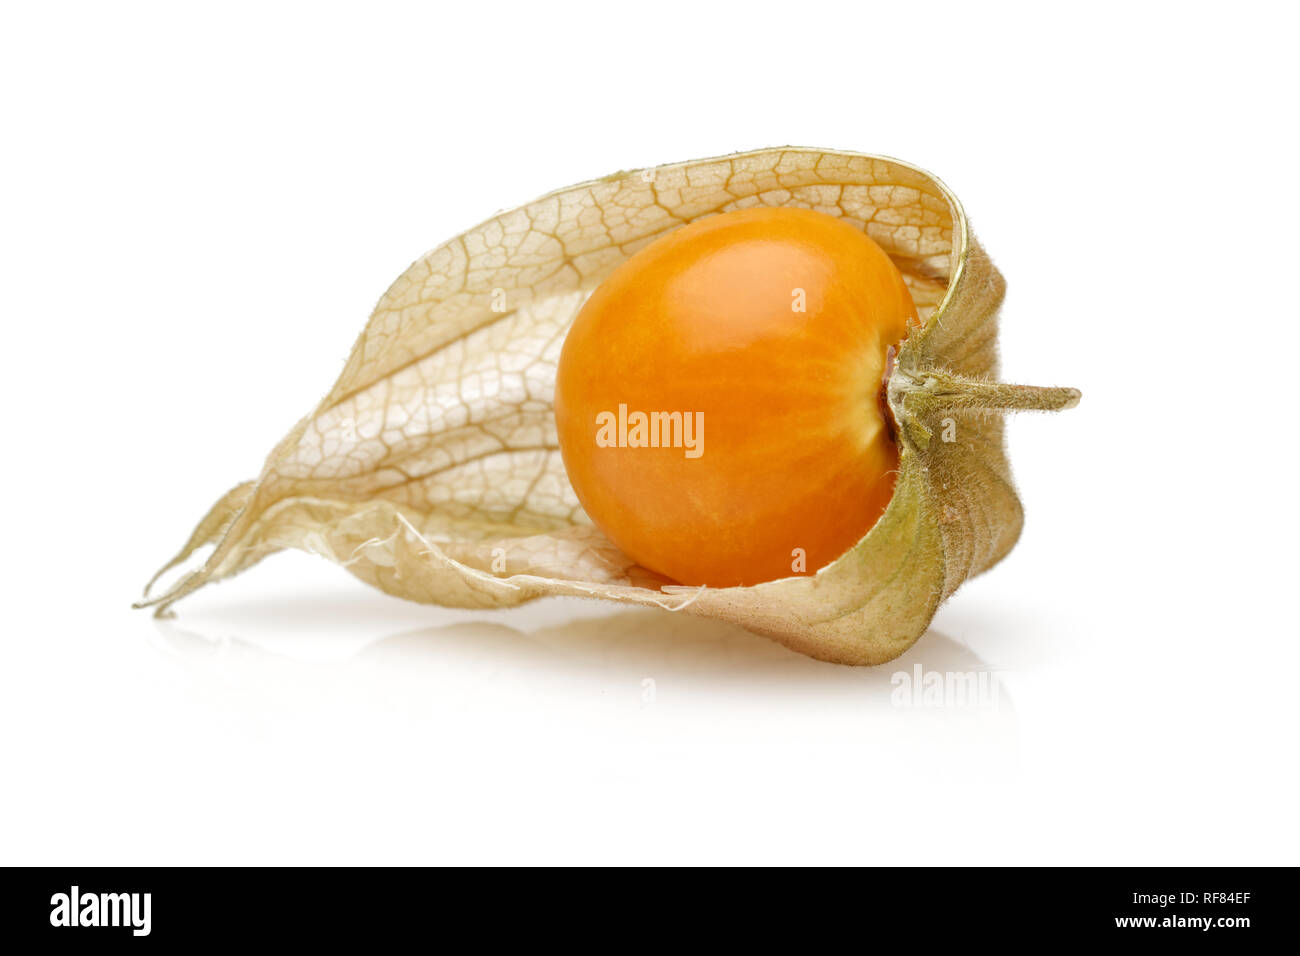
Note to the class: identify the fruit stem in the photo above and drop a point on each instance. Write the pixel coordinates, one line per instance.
(945, 391)
(922, 393)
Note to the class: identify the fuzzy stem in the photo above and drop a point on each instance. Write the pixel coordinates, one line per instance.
(920, 394)
(947, 392)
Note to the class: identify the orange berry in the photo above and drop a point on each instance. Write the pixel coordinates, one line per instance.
(717, 398)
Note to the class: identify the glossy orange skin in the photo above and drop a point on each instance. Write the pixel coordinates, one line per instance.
(796, 456)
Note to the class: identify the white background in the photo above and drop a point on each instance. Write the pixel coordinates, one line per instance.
(199, 210)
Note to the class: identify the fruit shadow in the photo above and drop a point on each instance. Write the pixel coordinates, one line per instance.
(624, 645)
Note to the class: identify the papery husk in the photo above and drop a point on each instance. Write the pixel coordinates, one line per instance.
(431, 470)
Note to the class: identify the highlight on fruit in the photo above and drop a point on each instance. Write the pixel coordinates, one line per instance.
(760, 388)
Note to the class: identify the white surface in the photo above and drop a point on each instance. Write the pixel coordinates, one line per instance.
(200, 209)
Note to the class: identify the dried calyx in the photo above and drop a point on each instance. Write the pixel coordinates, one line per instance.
(431, 469)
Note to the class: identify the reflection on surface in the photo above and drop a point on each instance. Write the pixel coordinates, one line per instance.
(580, 649)
(611, 718)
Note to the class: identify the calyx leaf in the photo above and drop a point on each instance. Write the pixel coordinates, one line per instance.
(431, 470)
